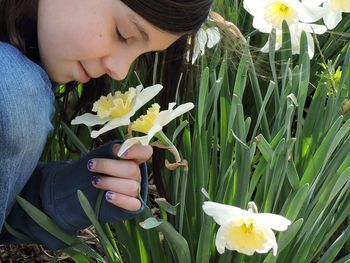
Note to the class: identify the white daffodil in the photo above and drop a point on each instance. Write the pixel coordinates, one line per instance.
(295, 34)
(270, 14)
(115, 110)
(245, 231)
(204, 38)
(152, 123)
(333, 10)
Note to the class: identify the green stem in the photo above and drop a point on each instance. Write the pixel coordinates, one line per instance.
(169, 145)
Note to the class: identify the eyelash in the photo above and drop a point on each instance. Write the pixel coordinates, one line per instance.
(120, 36)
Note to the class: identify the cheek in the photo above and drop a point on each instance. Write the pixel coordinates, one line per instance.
(77, 40)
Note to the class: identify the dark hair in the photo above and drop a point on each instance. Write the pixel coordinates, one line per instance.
(18, 22)
(177, 16)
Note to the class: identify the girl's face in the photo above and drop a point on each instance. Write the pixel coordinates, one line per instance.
(83, 39)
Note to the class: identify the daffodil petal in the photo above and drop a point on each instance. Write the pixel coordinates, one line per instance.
(221, 213)
(181, 109)
(309, 13)
(313, 2)
(332, 18)
(262, 25)
(166, 116)
(313, 28)
(310, 45)
(273, 221)
(88, 119)
(127, 144)
(145, 96)
(156, 128)
(270, 242)
(220, 241)
(196, 52)
(201, 38)
(115, 123)
(213, 36)
(253, 7)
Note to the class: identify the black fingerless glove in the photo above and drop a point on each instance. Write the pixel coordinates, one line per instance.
(58, 183)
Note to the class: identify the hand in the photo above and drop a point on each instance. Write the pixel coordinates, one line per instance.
(123, 178)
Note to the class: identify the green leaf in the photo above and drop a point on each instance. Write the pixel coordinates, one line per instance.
(75, 140)
(89, 211)
(47, 223)
(150, 223)
(333, 251)
(164, 204)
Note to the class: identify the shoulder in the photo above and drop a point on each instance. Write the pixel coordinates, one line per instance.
(20, 73)
(14, 63)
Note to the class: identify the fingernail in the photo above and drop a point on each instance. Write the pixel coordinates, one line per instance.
(91, 164)
(109, 196)
(95, 179)
(125, 153)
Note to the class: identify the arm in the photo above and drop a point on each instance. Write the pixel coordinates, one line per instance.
(59, 181)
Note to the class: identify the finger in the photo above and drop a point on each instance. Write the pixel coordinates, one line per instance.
(117, 185)
(138, 152)
(117, 168)
(123, 201)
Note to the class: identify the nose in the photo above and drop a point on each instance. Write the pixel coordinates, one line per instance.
(118, 64)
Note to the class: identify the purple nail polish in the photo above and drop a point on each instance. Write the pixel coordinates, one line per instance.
(109, 196)
(91, 164)
(125, 153)
(95, 179)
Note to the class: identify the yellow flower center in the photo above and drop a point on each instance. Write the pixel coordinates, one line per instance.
(278, 11)
(115, 106)
(145, 122)
(245, 235)
(340, 5)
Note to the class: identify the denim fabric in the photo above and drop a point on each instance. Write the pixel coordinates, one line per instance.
(26, 107)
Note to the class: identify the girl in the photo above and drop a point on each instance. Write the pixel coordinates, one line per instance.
(44, 42)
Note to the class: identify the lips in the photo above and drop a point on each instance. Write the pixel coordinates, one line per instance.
(83, 74)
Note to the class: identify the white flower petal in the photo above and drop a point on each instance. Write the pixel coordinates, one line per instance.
(272, 221)
(313, 28)
(270, 242)
(309, 13)
(196, 52)
(332, 18)
(181, 109)
(168, 115)
(253, 7)
(262, 25)
(156, 128)
(128, 143)
(115, 123)
(221, 213)
(220, 241)
(145, 96)
(201, 39)
(213, 36)
(313, 2)
(88, 119)
(310, 45)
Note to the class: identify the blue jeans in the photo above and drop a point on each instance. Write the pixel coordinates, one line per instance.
(26, 107)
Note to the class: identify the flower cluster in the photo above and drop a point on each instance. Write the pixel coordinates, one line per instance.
(300, 16)
(115, 110)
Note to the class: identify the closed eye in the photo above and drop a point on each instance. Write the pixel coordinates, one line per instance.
(120, 36)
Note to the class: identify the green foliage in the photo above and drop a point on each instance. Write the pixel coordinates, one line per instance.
(269, 129)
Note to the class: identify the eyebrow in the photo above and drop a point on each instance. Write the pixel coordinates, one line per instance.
(138, 26)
